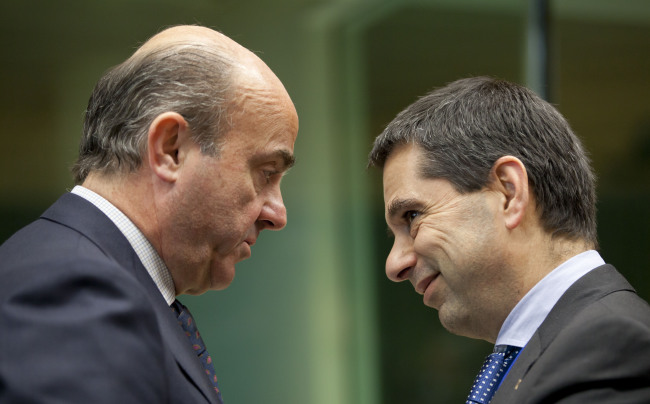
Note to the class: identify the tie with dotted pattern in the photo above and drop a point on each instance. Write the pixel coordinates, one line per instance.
(186, 321)
(489, 378)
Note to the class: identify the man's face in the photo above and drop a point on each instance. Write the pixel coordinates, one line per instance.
(222, 203)
(446, 244)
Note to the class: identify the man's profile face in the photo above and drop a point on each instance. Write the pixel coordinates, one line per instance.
(445, 242)
(224, 202)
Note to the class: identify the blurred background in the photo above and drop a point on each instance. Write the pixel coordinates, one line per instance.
(311, 318)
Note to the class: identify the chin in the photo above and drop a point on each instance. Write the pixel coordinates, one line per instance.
(451, 321)
(460, 324)
(222, 278)
(219, 285)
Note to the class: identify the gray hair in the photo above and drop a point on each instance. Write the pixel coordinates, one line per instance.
(192, 79)
(464, 127)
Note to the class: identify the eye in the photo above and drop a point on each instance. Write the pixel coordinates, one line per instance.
(410, 216)
(268, 175)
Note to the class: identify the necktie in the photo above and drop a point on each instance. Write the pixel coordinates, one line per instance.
(489, 378)
(186, 321)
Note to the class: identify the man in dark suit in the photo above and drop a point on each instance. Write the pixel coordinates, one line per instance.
(491, 200)
(179, 170)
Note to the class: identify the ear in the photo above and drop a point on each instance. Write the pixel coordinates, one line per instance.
(508, 176)
(166, 134)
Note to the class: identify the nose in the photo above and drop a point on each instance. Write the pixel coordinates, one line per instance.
(400, 262)
(274, 214)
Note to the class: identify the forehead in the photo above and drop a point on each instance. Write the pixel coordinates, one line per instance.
(401, 169)
(401, 180)
(263, 124)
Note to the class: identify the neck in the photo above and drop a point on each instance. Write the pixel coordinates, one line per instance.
(131, 194)
(544, 255)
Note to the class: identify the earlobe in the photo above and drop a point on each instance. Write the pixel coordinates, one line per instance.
(164, 139)
(509, 177)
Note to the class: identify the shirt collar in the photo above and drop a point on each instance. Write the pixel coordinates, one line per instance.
(532, 309)
(150, 259)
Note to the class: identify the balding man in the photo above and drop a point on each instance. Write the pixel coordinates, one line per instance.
(183, 150)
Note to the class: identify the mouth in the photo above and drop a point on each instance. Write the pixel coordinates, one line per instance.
(424, 283)
(245, 246)
(245, 251)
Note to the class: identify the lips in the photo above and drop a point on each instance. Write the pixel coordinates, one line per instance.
(424, 283)
(251, 240)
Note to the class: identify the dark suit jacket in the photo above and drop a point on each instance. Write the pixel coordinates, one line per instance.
(594, 347)
(81, 320)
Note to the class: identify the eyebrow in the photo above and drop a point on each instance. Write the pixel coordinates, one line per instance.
(287, 159)
(397, 205)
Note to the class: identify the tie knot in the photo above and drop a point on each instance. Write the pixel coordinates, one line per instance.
(177, 307)
(506, 349)
(494, 368)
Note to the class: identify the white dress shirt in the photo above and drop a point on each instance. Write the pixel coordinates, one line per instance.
(152, 262)
(532, 309)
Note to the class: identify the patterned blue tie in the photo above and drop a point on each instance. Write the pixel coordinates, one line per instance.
(496, 365)
(186, 321)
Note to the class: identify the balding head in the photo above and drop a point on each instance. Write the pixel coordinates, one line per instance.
(191, 35)
(247, 68)
(192, 70)
(249, 72)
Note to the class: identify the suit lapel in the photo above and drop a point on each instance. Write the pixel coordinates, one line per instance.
(75, 212)
(593, 286)
(526, 359)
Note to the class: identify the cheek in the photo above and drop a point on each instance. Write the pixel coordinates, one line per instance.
(251, 212)
(245, 197)
(429, 241)
(226, 205)
(236, 216)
